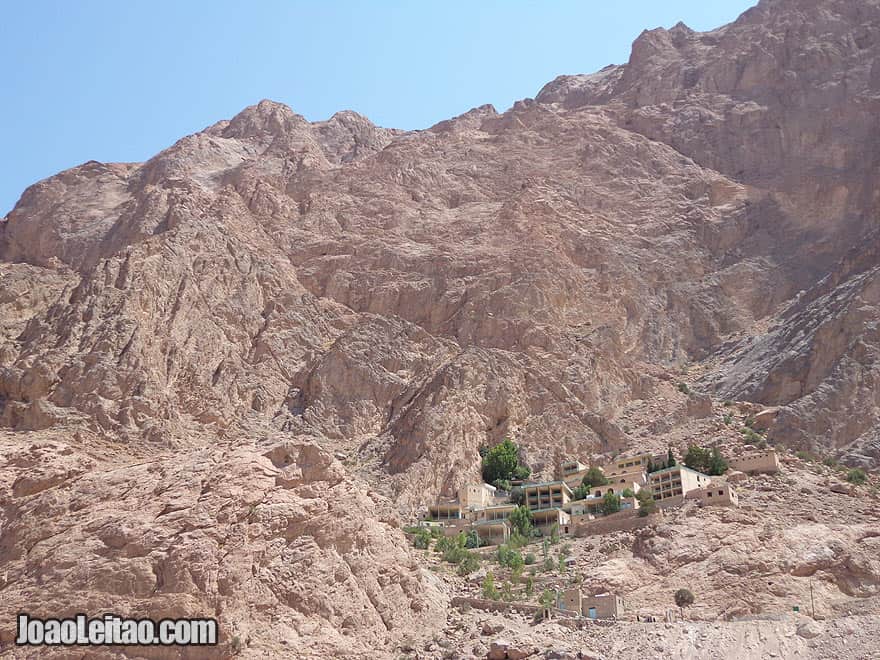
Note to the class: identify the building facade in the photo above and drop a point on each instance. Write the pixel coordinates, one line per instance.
(756, 461)
(675, 482)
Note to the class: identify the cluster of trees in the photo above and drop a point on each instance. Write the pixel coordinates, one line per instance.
(454, 549)
(708, 461)
(501, 465)
(662, 465)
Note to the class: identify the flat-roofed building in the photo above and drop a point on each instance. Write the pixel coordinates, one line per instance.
(546, 495)
(602, 606)
(546, 519)
(476, 496)
(717, 493)
(572, 467)
(595, 506)
(756, 461)
(675, 482)
(617, 488)
(493, 532)
(495, 512)
(446, 510)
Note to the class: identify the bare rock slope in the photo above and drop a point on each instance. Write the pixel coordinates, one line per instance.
(380, 303)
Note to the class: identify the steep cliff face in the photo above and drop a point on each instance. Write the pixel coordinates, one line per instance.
(402, 298)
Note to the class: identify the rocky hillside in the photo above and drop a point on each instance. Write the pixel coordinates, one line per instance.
(229, 372)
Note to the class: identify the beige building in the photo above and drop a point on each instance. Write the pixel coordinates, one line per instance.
(572, 467)
(629, 463)
(602, 606)
(717, 493)
(617, 488)
(493, 532)
(446, 510)
(675, 482)
(546, 495)
(476, 496)
(546, 519)
(495, 512)
(756, 461)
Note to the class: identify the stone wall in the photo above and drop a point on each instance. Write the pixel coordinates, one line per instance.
(616, 522)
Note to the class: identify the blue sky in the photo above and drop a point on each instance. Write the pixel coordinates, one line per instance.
(120, 80)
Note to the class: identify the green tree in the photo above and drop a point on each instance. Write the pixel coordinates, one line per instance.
(717, 464)
(649, 468)
(856, 476)
(521, 472)
(580, 492)
(684, 598)
(530, 559)
(610, 503)
(697, 458)
(561, 566)
(548, 598)
(489, 590)
(517, 495)
(594, 477)
(670, 458)
(545, 546)
(530, 586)
(473, 539)
(521, 520)
(507, 592)
(501, 463)
(647, 504)
(627, 492)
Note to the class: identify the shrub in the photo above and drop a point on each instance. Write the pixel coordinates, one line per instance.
(566, 550)
(489, 590)
(509, 557)
(628, 492)
(581, 492)
(561, 565)
(548, 565)
(728, 419)
(830, 461)
(805, 456)
(469, 563)
(856, 476)
(507, 592)
(530, 586)
(473, 539)
(422, 539)
(530, 559)
(545, 546)
(750, 435)
(683, 388)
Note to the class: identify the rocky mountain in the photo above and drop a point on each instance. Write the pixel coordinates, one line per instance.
(227, 374)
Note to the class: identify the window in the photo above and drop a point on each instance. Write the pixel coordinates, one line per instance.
(721, 492)
(710, 494)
